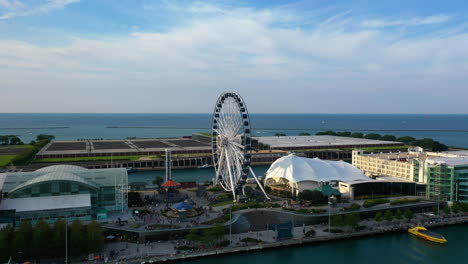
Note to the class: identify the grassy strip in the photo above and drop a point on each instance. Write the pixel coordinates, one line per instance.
(19, 158)
(6, 159)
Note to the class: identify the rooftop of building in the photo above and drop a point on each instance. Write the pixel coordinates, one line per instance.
(455, 157)
(320, 141)
(126, 145)
(449, 161)
(92, 177)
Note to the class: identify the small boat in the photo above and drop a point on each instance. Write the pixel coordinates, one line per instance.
(422, 232)
(205, 166)
(131, 170)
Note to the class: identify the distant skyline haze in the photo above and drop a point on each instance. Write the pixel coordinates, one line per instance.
(177, 56)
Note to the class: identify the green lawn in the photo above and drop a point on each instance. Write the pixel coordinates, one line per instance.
(6, 159)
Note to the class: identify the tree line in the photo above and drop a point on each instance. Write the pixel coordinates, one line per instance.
(42, 241)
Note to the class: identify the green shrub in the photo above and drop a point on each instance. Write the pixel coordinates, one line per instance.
(310, 233)
(352, 207)
(251, 240)
(373, 202)
(404, 201)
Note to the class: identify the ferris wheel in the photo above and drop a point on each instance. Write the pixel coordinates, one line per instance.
(231, 143)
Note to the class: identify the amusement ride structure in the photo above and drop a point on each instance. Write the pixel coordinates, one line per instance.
(232, 144)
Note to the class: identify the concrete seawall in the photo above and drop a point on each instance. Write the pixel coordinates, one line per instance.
(292, 242)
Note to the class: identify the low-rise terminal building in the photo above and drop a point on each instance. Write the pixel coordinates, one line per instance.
(445, 174)
(65, 191)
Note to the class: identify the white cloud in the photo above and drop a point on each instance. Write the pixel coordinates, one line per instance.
(14, 8)
(416, 21)
(11, 4)
(315, 69)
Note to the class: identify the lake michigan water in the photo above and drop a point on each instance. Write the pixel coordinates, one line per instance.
(449, 129)
(396, 248)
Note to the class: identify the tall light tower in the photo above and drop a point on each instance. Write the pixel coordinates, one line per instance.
(168, 164)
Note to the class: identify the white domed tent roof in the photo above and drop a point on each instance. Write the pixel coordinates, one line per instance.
(298, 169)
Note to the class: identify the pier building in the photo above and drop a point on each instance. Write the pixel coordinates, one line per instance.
(444, 174)
(65, 191)
(293, 174)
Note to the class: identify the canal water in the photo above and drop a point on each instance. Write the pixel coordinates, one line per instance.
(184, 175)
(384, 249)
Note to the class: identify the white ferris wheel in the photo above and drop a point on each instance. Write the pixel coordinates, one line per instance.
(231, 144)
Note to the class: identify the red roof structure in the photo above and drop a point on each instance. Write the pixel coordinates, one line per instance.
(171, 184)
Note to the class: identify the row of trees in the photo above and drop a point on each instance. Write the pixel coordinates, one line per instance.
(207, 235)
(426, 143)
(351, 220)
(27, 155)
(10, 140)
(42, 241)
(389, 216)
(316, 197)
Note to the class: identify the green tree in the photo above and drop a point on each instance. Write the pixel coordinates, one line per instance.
(324, 133)
(357, 135)
(4, 140)
(372, 136)
(40, 239)
(313, 196)
(304, 134)
(22, 241)
(6, 240)
(57, 243)
(446, 210)
(344, 134)
(408, 214)
(280, 134)
(388, 216)
(214, 233)
(352, 220)
(195, 234)
(95, 237)
(337, 220)
(15, 140)
(406, 139)
(77, 239)
(158, 180)
(435, 211)
(378, 216)
(388, 138)
(399, 215)
(45, 137)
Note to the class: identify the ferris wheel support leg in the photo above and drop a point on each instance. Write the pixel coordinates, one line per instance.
(233, 189)
(258, 182)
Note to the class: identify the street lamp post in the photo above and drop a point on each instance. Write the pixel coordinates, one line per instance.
(66, 240)
(230, 225)
(329, 215)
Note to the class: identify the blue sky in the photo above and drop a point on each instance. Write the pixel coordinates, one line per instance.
(282, 56)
